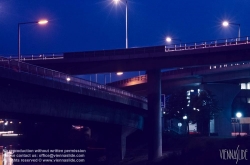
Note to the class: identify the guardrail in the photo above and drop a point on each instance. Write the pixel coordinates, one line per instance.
(64, 78)
(207, 44)
(142, 50)
(181, 71)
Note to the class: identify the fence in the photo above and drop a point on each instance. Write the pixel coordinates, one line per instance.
(64, 78)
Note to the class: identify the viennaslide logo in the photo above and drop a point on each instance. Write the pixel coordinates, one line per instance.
(234, 154)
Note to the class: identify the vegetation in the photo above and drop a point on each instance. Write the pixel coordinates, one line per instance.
(199, 107)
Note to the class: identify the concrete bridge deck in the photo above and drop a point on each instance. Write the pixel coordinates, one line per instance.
(28, 89)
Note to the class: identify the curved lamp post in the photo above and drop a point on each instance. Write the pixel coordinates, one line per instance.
(41, 22)
(226, 24)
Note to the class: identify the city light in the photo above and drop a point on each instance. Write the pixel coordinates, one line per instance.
(185, 117)
(168, 39)
(225, 23)
(116, 1)
(119, 73)
(238, 114)
(42, 22)
(68, 79)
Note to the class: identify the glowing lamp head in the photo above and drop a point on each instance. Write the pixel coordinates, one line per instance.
(42, 22)
(119, 73)
(185, 117)
(238, 115)
(168, 39)
(68, 79)
(225, 23)
(116, 1)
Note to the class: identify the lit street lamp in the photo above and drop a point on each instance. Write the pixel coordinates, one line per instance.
(185, 119)
(226, 23)
(239, 115)
(42, 22)
(126, 2)
(119, 73)
(169, 40)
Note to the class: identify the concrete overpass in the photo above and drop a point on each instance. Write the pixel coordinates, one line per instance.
(151, 59)
(30, 92)
(30, 76)
(147, 58)
(232, 73)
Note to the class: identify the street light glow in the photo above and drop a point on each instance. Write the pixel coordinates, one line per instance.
(42, 22)
(225, 23)
(168, 39)
(119, 73)
(238, 115)
(185, 117)
(116, 1)
(68, 79)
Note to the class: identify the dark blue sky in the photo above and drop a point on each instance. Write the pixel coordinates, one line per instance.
(80, 25)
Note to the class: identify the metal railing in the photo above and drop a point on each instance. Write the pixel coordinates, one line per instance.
(137, 51)
(143, 78)
(47, 56)
(207, 44)
(64, 78)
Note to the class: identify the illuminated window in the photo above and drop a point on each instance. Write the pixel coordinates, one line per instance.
(243, 86)
(248, 85)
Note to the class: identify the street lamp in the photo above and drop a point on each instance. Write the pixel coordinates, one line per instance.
(185, 119)
(126, 2)
(169, 40)
(226, 23)
(119, 73)
(41, 22)
(239, 115)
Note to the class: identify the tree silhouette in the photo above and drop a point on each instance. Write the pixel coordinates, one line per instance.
(206, 108)
(199, 107)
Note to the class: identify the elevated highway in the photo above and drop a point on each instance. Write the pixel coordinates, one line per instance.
(147, 58)
(32, 90)
(232, 73)
(151, 59)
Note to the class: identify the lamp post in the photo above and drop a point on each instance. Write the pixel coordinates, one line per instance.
(169, 40)
(226, 23)
(185, 119)
(22, 23)
(126, 3)
(239, 115)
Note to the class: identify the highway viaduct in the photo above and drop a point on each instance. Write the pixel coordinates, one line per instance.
(223, 80)
(151, 59)
(34, 93)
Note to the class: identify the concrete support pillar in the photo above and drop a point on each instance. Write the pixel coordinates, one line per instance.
(1, 155)
(225, 94)
(126, 131)
(154, 115)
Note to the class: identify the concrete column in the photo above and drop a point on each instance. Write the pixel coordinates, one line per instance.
(225, 94)
(126, 131)
(1, 155)
(154, 115)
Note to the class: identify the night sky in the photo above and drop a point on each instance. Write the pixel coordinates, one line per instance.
(81, 25)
